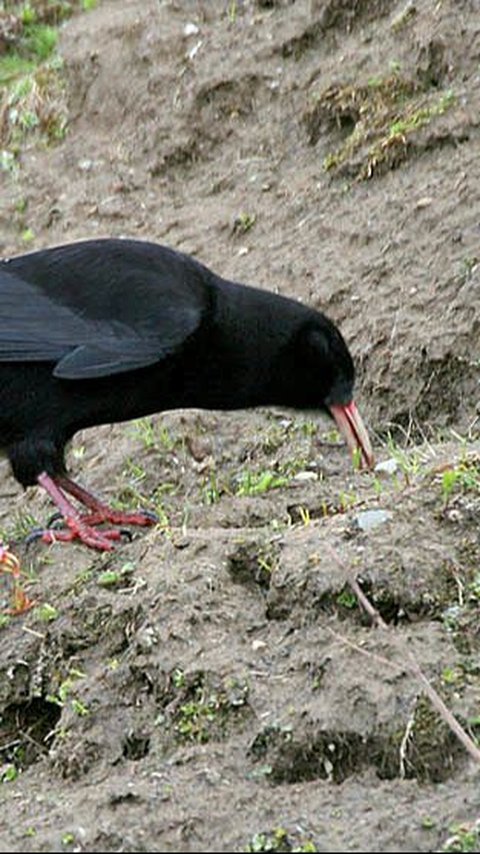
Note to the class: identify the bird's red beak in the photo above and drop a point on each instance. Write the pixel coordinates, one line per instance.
(353, 430)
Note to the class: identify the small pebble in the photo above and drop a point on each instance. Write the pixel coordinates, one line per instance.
(368, 519)
(387, 466)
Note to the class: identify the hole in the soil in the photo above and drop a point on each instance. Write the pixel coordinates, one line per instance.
(136, 745)
(342, 603)
(395, 609)
(347, 123)
(27, 731)
(251, 563)
(422, 748)
(323, 755)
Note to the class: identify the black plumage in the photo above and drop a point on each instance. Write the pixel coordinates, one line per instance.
(109, 330)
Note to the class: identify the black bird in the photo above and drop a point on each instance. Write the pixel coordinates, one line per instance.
(109, 330)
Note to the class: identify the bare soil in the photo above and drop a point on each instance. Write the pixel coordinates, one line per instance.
(213, 684)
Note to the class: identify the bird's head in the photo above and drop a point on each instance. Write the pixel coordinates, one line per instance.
(329, 375)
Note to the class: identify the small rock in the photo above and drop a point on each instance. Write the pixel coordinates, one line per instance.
(200, 447)
(147, 638)
(258, 645)
(424, 202)
(369, 519)
(86, 165)
(388, 467)
(304, 476)
(191, 29)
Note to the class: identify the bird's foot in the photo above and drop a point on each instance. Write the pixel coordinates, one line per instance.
(98, 511)
(79, 528)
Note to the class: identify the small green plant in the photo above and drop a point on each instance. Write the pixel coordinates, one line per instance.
(467, 267)
(304, 514)
(466, 837)
(347, 599)
(256, 483)
(275, 840)
(243, 223)
(211, 489)
(40, 40)
(449, 481)
(178, 678)
(347, 500)
(134, 471)
(205, 709)
(278, 840)
(465, 476)
(232, 11)
(22, 526)
(410, 462)
(451, 676)
(9, 773)
(111, 578)
(194, 719)
(65, 690)
(30, 832)
(46, 613)
(144, 428)
(153, 435)
(27, 235)
(357, 459)
(80, 708)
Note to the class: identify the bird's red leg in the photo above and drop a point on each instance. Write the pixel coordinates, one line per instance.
(101, 512)
(78, 527)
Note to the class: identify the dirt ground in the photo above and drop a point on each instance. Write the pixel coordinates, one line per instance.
(213, 685)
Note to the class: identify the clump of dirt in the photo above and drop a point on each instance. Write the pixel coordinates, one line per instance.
(214, 684)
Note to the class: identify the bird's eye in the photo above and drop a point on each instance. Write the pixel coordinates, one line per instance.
(317, 343)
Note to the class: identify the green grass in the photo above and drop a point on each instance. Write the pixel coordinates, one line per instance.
(257, 483)
(464, 477)
(32, 86)
(465, 837)
(14, 67)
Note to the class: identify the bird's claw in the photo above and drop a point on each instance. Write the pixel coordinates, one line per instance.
(78, 529)
(54, 518)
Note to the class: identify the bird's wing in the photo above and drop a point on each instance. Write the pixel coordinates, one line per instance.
(35, 328)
